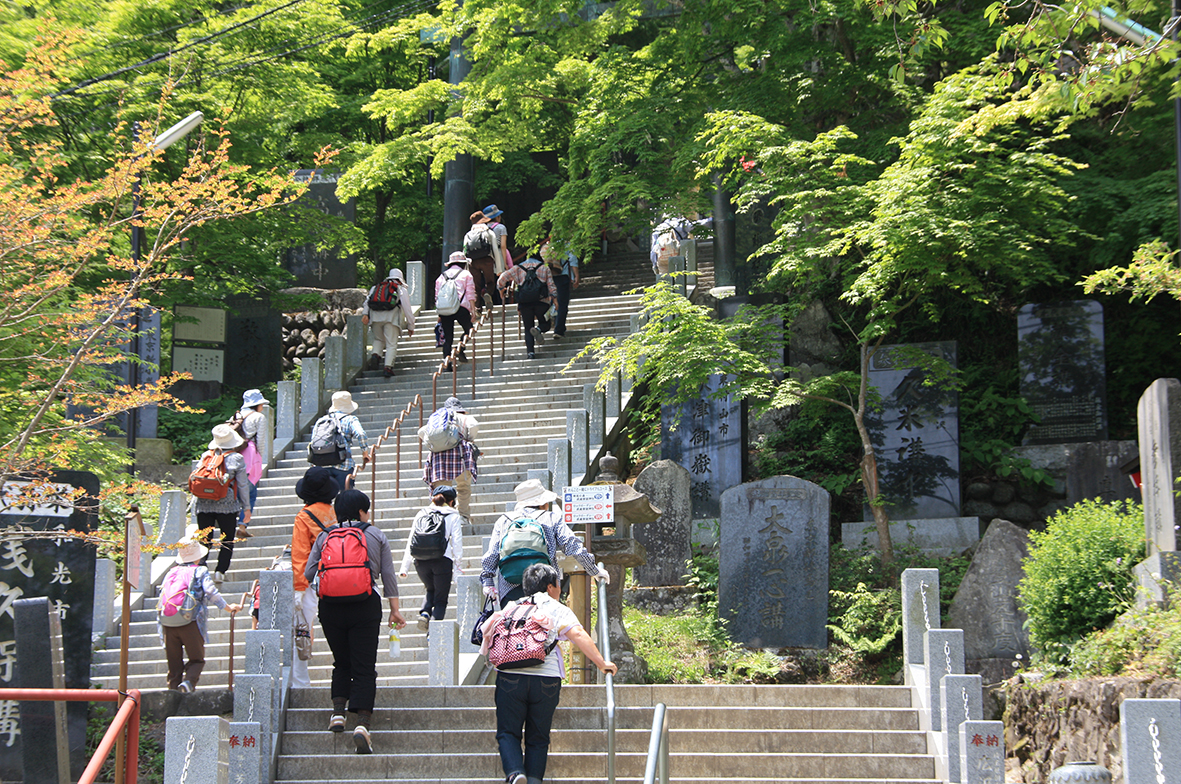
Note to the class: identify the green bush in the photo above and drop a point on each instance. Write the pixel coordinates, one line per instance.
(870, 621)
(1078, 576)
(1142, 642)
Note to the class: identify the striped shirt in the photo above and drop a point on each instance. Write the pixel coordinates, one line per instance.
(350, 429)
(557, 534)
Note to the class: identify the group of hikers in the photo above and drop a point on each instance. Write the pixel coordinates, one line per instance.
(338, 555)
(479, 276)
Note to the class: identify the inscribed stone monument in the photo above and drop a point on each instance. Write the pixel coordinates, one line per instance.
(1150, 739)
(61, 570)
(254, 343)
(323, 269)
(667, 539)
(985, 606)
(1063, 371)
(1159, 415)
(773, 563)
(1094, 472)
(916, 434)
(710, 442)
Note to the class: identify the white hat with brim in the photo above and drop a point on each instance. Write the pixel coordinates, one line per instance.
(531, 493)
(252, 398)
(225, 437)
(396, 274)
(456, 258)
(190, 551)
(343, 402)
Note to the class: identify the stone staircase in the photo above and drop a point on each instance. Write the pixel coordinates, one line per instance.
(796, 734)
(521, 406)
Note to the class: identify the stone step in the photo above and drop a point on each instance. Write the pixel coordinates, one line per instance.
(673, 779)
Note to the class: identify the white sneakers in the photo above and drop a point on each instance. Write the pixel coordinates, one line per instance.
(219, 578)
(336, 724)
(361, 738)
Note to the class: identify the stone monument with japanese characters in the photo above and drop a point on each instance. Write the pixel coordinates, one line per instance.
(311, 266)
(773, 563)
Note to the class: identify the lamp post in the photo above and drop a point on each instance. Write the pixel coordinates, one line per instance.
(162, 142)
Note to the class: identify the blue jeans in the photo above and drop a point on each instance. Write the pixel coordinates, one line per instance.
(253, 498)
(527, 701)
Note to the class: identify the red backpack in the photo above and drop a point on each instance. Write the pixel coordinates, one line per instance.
(343, 574)
(385, 295)
(209, 480)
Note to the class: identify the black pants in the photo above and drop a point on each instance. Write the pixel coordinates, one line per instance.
(227, 523)
(465, 320)
(562, 284)
(530, 311)
(525, 706)
(435, 574)
(351, 629)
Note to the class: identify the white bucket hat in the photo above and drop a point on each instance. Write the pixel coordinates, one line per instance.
(252, 398)
(396, 274)
(531, 493)
(456, 258)
(224, 437)
(343, 402)
(190, 550)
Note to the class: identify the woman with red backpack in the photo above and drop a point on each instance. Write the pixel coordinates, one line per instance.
(345, 563)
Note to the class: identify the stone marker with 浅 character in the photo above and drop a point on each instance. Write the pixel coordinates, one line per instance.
(916, 433)
(1150, 736)
(1063, 371)
(985, 606)
(773, 563)
(666, 540)
(710, 442)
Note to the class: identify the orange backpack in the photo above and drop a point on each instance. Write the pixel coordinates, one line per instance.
(209, 479)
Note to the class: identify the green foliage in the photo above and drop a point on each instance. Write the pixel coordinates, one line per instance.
(819, 444)
(703, 579)
(150, 767)
(190, 432)
(871, 621)
(1078, 575)
(1141, 643)
(992, 425)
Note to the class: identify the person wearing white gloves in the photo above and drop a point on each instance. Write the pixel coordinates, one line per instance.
(509, 553)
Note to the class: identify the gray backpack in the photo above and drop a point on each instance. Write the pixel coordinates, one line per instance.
(328, 447)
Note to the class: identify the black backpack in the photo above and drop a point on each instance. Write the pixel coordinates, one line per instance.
(478, 242)
(533, 288)
(429, 538)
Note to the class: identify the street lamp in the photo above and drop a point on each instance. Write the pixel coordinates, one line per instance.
(161, 142)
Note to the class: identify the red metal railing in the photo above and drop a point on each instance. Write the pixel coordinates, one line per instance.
(127, 717)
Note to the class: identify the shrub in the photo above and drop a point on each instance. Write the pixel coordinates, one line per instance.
(1078, 575)
(871, 620)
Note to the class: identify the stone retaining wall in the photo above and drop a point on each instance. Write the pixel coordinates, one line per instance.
(304, 332)
(1049, 724)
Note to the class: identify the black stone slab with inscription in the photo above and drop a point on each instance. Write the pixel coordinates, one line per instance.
(710, 442)
(773, 562)
(916, 434)
(1094, 472)
(323, 269)
(1063, 371)
(62, 570)
(254, 343)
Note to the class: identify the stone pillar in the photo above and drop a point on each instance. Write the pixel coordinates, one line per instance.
(287, 411)
(196, 750)
(276, 606)
(106, 588)
(595, 404)
(174, 506)
(266, 439)
(311, 391)
(416, 280)
(355, 336)
(1150, 730)
(689, 251)
(254, 701)
(45, 745)
(982, 753)
(666, 540)
(444, 652)
(333, 363)
(559, 463)
(576, 427)
(961, 698)
(920, 612)
(613, 395)
(676, 271)
(469, 601)
(245, 754)
(264, 656)
(944, 656)
(542, 475)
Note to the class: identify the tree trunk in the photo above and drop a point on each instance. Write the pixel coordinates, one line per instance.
(869, 466)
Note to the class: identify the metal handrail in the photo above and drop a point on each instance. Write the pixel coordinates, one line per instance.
(452, 359)
(658, 747)
(126, 717)
(605, 649)
(394, 430)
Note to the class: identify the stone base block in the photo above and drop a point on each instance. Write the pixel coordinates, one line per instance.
(994, 670)
(936, 536)
(1157, 578)
(663, 600)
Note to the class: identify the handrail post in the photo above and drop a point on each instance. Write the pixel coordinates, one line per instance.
(475, 348)
(503, 309)
(373, 471)
(491, 316)
(398, 469)
(605, 648)
(421, 422)
(657, 762)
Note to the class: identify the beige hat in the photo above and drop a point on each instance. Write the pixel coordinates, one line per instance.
(343, 402)
(225, 437)
(531, 493)
(190, 550)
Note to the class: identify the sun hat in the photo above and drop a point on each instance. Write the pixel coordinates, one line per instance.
(454, 404)
(252, 398)
(189, 550)
(531, 493)
(479, 217)
(225, 437)
(457, 258)
(491, 212)
(396, 274)
(317, 485)
(342, 401)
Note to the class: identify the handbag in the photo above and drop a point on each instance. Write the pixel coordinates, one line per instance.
(485, 614)
(440, 338)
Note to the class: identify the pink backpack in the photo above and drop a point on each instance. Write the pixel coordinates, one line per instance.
(180, 595)
(518, 640)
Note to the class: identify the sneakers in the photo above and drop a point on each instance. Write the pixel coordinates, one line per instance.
(361, 738)
(462, 356)
(336, 723)
(515, 778)
(538, 335)
(374, 361)
(219, 578)
(487, 299)
(556, 336)
(532, 355)
(424, 622)
(387, 372)
(242, 533)
(185, 687)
